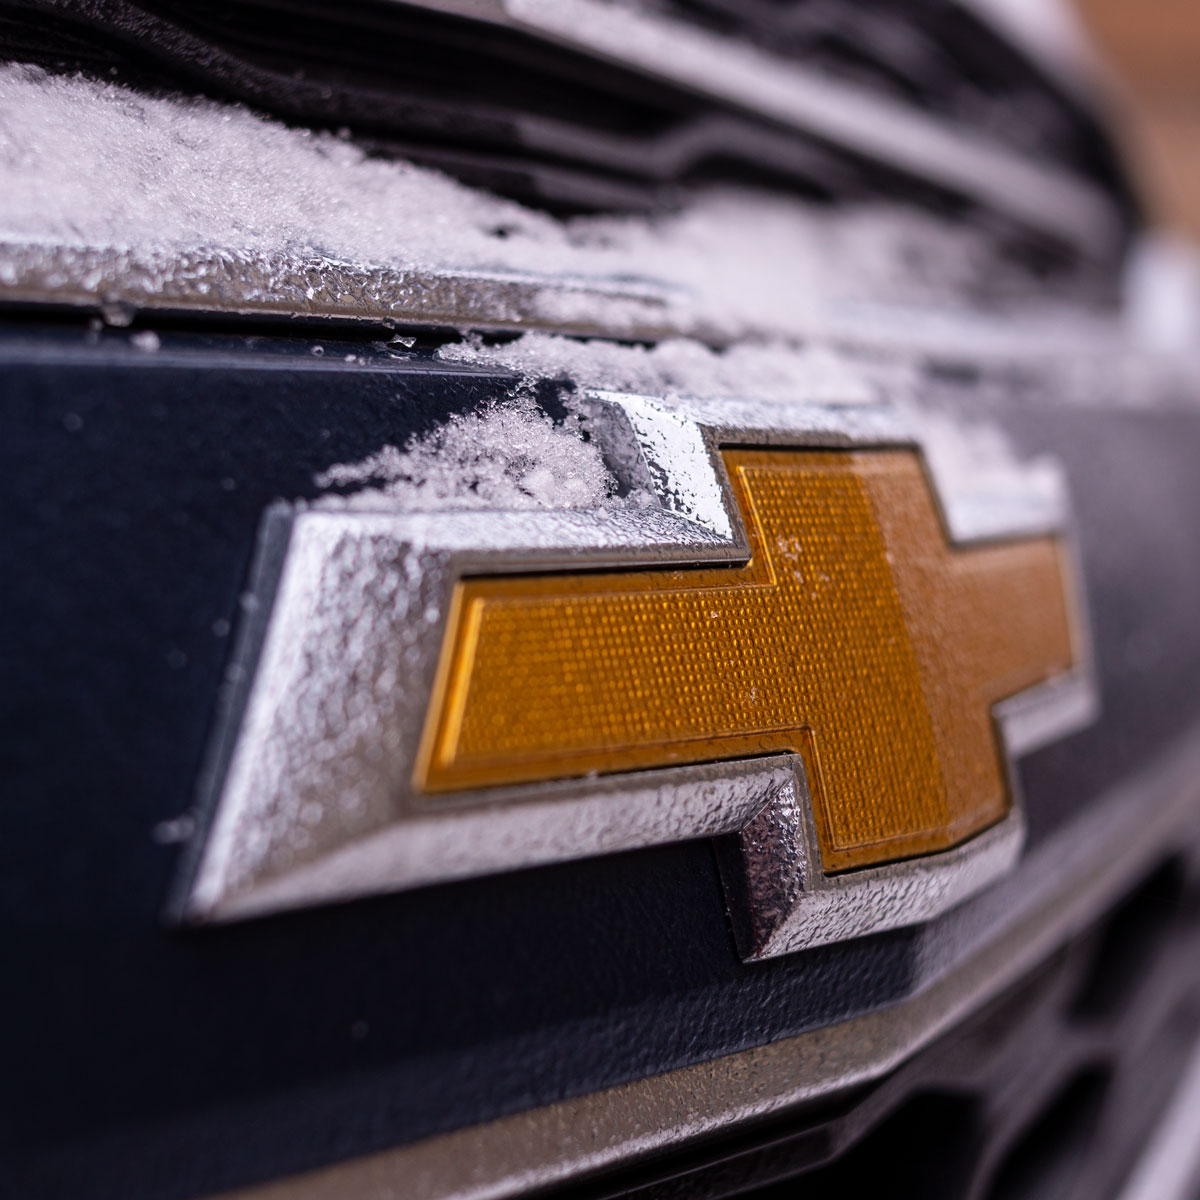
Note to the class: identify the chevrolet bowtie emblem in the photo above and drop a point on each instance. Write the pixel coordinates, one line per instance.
(854, 637)
(788, 652)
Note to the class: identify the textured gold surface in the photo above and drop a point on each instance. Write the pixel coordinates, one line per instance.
(854, 636)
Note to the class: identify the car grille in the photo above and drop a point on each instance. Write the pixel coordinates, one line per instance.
(520, 115)
(1051, 1091)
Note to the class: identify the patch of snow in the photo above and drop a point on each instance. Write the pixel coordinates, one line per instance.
(97, 164)
(986, 487)
(509, 456)
(774, 371)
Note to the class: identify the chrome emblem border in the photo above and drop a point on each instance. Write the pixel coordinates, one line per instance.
(307, 797)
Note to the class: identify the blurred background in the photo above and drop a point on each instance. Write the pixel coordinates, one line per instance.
(1153, 48)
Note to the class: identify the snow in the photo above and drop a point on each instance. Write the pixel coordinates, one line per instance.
(509, 456)
(97, 164)
(774, 371)
(88, 166)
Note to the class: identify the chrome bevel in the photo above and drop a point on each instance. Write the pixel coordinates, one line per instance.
(121, 283)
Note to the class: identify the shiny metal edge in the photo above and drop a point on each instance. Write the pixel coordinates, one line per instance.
(1061, 888)
(521, 827)
(781, 901)
(1169, 1168)
(1041, 197)
(120, 283)
(308, 793)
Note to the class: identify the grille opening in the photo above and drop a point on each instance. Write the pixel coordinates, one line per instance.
(1132, 939)
(1018, 1005)
(1048, 1157)
(929, 1147)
